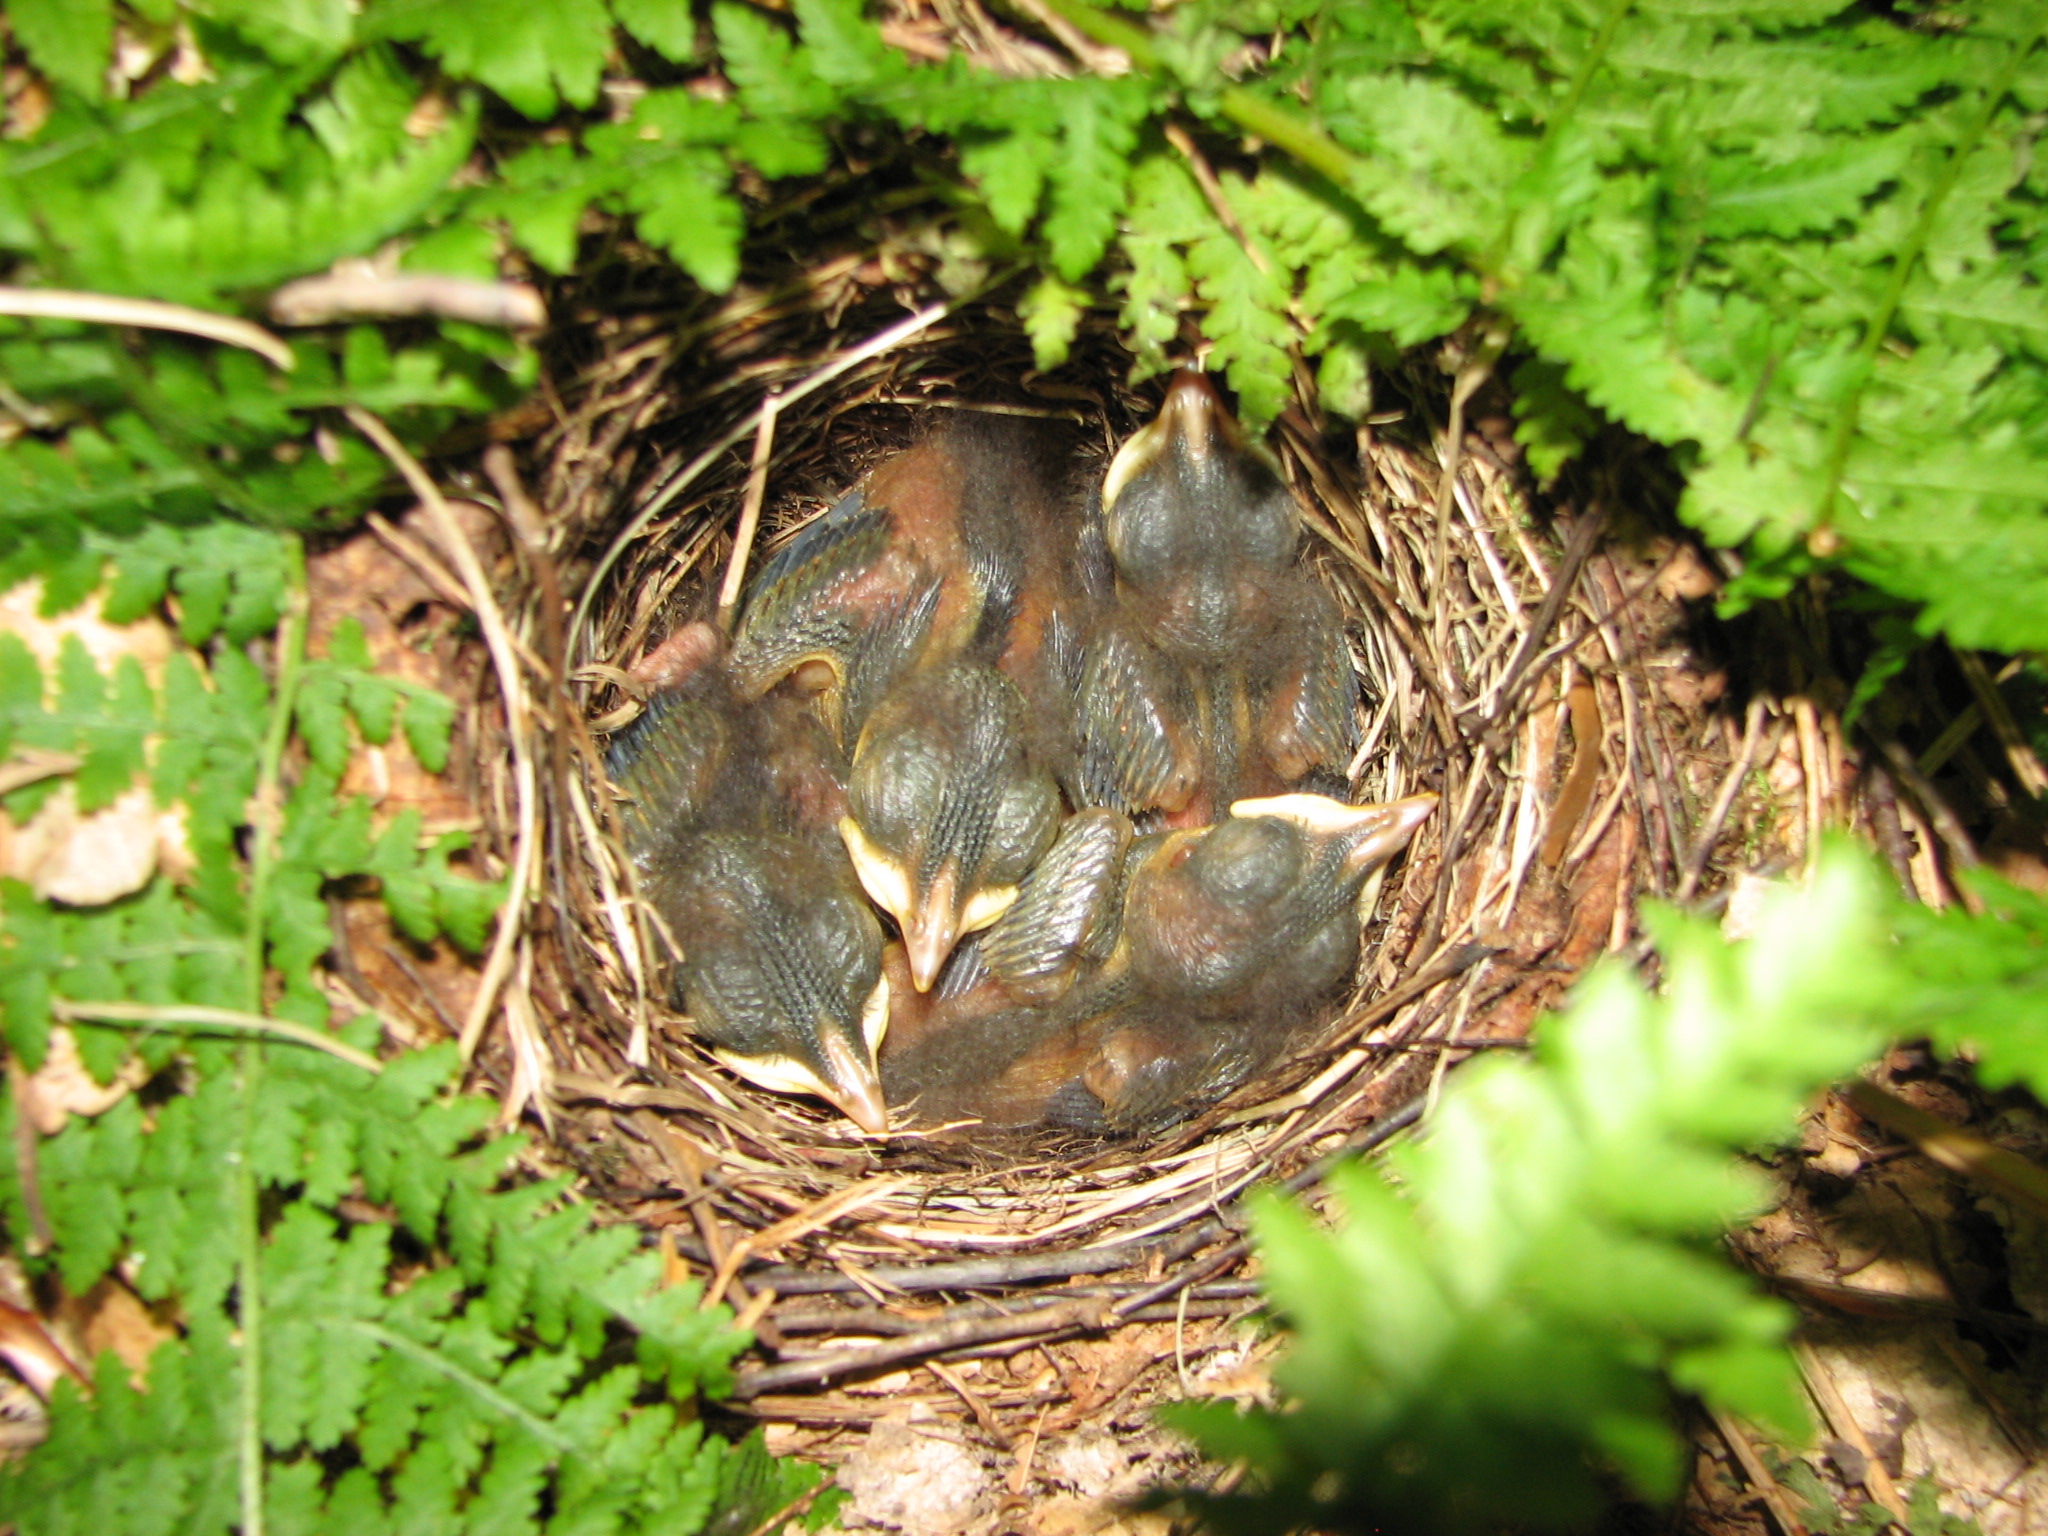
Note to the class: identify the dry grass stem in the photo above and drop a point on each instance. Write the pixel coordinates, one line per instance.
(511, 684)
(110, 309)
(750, 513)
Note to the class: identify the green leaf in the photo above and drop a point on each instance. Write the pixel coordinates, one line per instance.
(841, 46)
(1247, 321)
(71, 41)
(153, 223)
(1051, 312)
(1097, 133)
(542, 196)
(292, 31)
(361, 121)
(534, 53)
(1551, 422)
(1980, 984)
(321, 720)
(1441, 164)
(374, 703)
(669, 27)
(775, 81)
(1503, 1307)
(1800, 196)
(1166, 211)
(429, 719)
(1409, 302)
(686, 209)
(1010, 170)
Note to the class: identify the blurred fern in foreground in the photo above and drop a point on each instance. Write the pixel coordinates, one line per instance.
(1979, 985)
(1503, 1307)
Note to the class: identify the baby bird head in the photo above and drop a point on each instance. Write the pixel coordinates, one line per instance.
(947, 810)
(782, 969)
(1269, 892)
(1198, 524)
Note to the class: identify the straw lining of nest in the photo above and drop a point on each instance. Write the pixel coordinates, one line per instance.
(1508, 663)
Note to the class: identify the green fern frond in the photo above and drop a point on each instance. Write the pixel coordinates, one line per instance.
(1499, 1316)
(529, 1369)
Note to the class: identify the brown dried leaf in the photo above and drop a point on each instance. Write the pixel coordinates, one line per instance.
(148, 640)
(28, 1345)
(87, 861)
(62, 1087)
(64, 856)
(113, 1318)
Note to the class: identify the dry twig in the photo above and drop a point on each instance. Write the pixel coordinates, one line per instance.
(110, 309)
(511, 684)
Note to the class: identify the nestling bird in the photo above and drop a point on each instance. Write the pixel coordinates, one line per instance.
(959, 547)
(929, 609)
(730, 819)
(946, 810)
(1236, 937)
(1257, 914)
(1191, 964)
(1218, 669)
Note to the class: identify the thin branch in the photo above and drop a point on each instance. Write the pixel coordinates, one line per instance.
(332, 296)
(1954, 836)
(1087, 1314)
(2020, 1181)
(795, 1507)
(229, 1019)
(1474, 371)
(505, 658)
(27, 1172)
(1212, 189)
(1522, 666)
(1877, 1477)
(1110, 63)
(109, 309)
(2026, 765)
(1746, 759)
(1768, 1488)
(1951, 739)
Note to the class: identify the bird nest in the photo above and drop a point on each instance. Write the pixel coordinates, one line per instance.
(1521, 653)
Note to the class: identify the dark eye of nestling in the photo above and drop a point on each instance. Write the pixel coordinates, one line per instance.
(1026, 822)
(1248, 863)
(894, 789)
(1146, 534)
